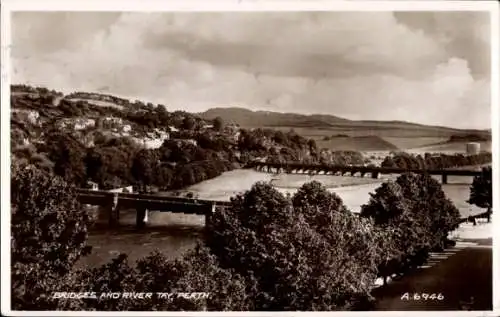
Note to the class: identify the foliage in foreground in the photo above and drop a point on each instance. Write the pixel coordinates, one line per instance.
(49, 235)
(309, 253)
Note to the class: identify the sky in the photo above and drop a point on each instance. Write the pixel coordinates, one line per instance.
(424, 67)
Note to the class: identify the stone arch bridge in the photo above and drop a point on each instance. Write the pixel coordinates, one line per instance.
(362, 171)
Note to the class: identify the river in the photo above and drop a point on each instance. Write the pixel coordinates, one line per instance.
(174, 234)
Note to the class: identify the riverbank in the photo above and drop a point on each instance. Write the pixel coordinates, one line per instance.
(295, 181)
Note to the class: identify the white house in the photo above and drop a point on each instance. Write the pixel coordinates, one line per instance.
(81, 124)
(33, 116)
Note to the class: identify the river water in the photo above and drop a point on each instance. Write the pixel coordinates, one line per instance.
(174, 234)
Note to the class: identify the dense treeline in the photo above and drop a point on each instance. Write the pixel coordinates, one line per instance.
(435, 161)
(115, 162)
(266, 252)
(415, 209)
(469, 138)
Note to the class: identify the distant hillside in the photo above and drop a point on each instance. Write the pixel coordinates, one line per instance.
(360, 143)
(248, 118)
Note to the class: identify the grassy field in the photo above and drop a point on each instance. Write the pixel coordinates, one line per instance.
(319, 132)
(99, 103)
(405, 143)
(381, 139)
(360, 143)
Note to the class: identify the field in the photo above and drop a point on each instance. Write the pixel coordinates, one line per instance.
(361, 143)
(397, 133)
(405, 143)
(382, 139)
(99, 103)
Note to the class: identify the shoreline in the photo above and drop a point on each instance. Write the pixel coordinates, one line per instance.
(346, 185)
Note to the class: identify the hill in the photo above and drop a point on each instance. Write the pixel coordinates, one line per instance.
(142, 119)
(248, 118)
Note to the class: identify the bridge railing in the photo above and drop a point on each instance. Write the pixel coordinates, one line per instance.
(366, 169)
(135, 196)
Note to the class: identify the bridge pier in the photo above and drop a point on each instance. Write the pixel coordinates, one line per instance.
(208, 214)
(141, 218)
(444, 178)
(114, 211)
(374, 175)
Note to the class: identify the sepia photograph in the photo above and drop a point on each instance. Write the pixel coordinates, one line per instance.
(248, 159)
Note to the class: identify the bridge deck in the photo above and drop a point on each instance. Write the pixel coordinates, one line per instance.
(363, 169)
(102, 194)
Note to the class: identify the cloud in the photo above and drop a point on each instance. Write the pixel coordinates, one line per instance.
(361, 65)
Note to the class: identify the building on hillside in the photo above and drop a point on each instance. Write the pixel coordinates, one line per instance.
(31, 116)
(112, 120)
(236, 136)
(81, 124)
(153, 142)
(126, 128)
(185, 141)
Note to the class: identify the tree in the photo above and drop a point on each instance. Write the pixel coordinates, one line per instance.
(162, 114)
(481, 190)
(68, 155)
(418, 216)
(49, 233)
(144, 166)
(197, 271)
(313, 148)
(289, 259)
(188, 123)
(110, 164)
(218, 124)
(316, 204)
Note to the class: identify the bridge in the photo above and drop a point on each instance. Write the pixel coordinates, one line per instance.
(113, 202)
(353, 170)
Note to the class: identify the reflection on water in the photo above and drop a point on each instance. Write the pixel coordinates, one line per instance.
(174, 234)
